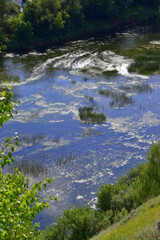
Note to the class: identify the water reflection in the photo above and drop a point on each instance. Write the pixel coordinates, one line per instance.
(58, 82)
(5, 75)
(89, 132)
(30, 140)
(145, 88)
(118, 99)
(87, 115)
(30, 168)
(64, 160)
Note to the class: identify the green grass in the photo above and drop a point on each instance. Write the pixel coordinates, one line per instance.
(147, 60)
(139, 224)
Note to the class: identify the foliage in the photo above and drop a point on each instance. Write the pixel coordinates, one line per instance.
(3, 4)
(6, 107)
(121, 194)
(47, 20)
(78, 223)
(148, 182)
(18, 204)
(45, 16)
(20, 31)
(131, 190)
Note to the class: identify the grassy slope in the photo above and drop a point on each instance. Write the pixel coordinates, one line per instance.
(139, 224)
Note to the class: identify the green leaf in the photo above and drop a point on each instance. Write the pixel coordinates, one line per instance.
(49, 180)
(40, 188)
(12, 148)
(2, 164)
(7, 140)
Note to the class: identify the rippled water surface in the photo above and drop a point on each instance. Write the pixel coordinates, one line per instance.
(52, 86)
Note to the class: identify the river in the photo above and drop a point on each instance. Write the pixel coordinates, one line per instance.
(52, 85)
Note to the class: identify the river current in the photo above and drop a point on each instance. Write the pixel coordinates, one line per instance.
(51, 86)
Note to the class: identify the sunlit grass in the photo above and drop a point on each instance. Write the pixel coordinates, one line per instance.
(140, 224)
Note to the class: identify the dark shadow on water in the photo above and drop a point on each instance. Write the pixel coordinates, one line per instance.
(64, 160)
(145, 88)
(90, 99)
(30, 140)
(29, 168)
(110, 74)
(117, 99)
(89, 132)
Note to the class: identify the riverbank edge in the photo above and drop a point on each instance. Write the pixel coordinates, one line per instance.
(95, 28)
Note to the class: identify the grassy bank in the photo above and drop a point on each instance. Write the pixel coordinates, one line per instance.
(139, 224)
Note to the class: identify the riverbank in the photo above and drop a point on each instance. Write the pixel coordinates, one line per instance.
(141, 223)
(89, 28)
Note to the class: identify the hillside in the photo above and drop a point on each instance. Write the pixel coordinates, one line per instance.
(139, 224)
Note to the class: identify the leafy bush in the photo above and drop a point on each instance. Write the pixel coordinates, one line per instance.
(104, 195)
(21, 32)
(115, 197)
(78, 223)
(148, 182)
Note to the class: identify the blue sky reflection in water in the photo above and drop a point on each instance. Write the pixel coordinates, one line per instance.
(52, 86)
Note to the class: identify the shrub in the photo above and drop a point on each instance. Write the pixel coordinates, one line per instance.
(78, 223)
(21, 32)
(104, 195)
(148, 183)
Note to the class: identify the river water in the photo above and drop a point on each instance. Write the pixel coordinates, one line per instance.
(52, 85)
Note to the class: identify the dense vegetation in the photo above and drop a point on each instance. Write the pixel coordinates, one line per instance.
(47, 21)
(140, 224)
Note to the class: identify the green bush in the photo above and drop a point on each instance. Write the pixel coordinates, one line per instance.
(148, 182)
(115, 197)
(21, 32)
(78, 223)
(105, 194)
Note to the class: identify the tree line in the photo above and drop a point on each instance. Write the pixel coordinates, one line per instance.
(48, 20)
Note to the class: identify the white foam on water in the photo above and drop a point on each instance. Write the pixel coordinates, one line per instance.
(10, 55)
(155, 42)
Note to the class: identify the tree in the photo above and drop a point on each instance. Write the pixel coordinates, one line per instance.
(3, 4)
